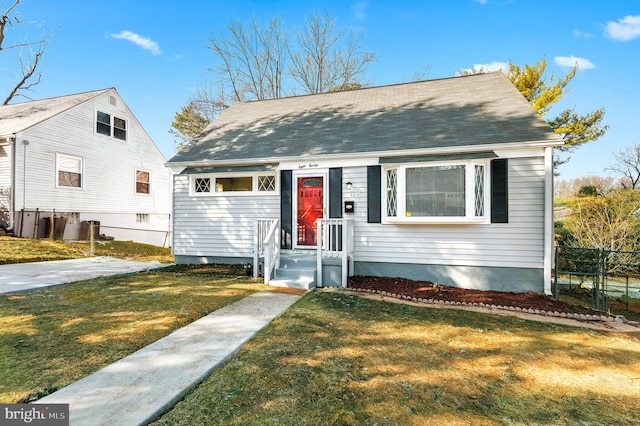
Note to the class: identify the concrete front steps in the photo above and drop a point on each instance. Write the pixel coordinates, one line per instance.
(297, 270)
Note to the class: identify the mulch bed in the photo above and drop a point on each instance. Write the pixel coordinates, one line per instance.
(428, 290)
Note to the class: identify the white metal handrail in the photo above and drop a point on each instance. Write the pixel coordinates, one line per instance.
(335, 240)
(266, 243)
(271, 244)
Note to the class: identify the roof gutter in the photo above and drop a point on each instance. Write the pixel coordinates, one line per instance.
(180, 165)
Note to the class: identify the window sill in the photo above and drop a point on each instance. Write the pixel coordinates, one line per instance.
(436, 221)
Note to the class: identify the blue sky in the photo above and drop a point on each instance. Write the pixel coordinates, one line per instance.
(155, 52)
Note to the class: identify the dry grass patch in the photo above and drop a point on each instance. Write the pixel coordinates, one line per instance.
(50, 338)
(340, 359)
(21, 250)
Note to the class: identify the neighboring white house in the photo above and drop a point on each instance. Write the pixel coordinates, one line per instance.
(445, 180)
(82, 159)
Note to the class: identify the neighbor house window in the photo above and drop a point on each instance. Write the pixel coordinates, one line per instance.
(69, 170)
(142, 182)
(119, 128)
(233, 184)
(109, 125)
(142, 218)
(103, 123)
(72, 218)
(440, 192)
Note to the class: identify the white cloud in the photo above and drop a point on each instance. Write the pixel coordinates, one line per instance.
(570, 61)
(490, 67)
(359, 9)
(139, 40)
(579, 34)
(625, 29)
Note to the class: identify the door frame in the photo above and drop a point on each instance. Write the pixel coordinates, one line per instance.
(324, 173)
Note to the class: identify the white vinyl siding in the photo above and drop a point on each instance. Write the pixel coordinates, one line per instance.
(217, 226)
(108, 175)
(518, 243)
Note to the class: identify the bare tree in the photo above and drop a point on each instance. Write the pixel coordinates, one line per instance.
(628, 166)
(325, 57)
(252, 59)
(568, 188)
(255, 62)
(608, 223)
(28, 74)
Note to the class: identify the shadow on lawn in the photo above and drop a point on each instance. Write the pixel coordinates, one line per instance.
(341, 359)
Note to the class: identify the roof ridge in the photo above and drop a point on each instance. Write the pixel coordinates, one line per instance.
(383, 86)
(60, 97)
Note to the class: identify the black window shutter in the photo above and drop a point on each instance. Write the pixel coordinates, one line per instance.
(499, 191)
(335, 192)
(374, 189)
(286, 208)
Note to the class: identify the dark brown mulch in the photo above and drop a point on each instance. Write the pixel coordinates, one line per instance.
(428, 290)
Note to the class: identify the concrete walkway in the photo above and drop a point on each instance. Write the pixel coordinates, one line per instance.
(139, 388)
(37, 275)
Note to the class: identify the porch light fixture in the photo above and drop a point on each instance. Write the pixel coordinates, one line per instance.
(349, 186)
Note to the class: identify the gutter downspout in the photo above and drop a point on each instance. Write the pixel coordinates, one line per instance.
(12, 189)
(548, 219)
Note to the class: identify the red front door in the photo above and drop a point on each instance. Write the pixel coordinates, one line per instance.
(310, 208)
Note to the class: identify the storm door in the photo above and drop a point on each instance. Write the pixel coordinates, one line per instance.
(309, 208)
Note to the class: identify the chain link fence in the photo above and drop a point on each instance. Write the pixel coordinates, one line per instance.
(610, 279)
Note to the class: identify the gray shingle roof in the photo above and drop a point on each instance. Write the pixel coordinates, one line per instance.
(454, 112)
(18, 117)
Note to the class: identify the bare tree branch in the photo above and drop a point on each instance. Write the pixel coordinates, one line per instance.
(252, 59)
(28, 74)
(628, 166)
(5, 19)
(326, 58)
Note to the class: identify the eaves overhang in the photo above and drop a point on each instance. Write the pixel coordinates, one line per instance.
(180, 165)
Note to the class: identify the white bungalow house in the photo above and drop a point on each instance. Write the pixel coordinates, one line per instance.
(82, 159)
(446, 180)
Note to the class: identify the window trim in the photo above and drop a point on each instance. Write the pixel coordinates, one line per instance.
(212, 184)
(469, 196)
(112, 125)
(59, 156)
(135, 178)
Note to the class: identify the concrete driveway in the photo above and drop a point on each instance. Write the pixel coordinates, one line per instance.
(29, 276)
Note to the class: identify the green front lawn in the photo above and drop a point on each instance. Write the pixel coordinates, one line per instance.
(51, 338)
(340, 359)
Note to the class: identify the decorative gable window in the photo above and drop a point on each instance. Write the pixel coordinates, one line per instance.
(142, 182)
(233, 184)
(439, 192)
(69, 171)
(109, 125)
